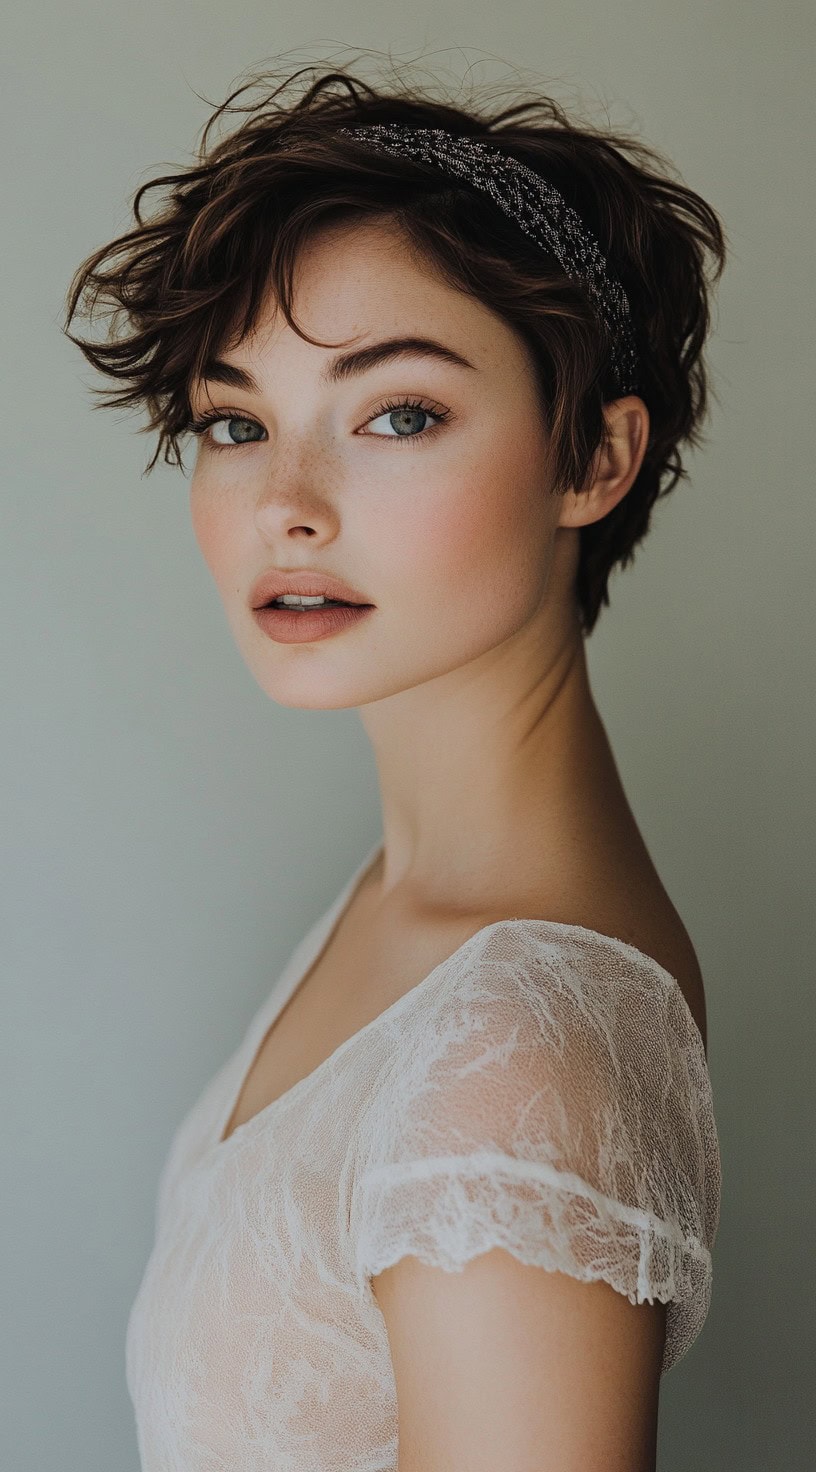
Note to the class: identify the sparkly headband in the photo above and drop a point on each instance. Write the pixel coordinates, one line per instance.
(535, 205)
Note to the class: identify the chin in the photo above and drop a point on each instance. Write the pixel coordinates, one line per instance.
(309, 689)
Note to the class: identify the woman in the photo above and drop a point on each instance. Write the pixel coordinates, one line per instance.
(452, 1201)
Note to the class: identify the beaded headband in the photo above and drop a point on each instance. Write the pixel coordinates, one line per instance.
(536, 206)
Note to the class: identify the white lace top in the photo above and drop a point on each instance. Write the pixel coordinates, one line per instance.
(544, 1090)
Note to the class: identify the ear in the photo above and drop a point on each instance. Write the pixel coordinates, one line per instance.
(616, 464)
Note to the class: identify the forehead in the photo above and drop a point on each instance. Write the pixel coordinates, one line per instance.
(361, 282)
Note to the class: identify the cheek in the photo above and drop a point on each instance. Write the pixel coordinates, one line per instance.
(214, 526)
(477, 541)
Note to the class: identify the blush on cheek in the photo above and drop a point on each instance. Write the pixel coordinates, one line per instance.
(452, 522)
(214, 532)
(492, 549)
(457, 565)
(474, 537)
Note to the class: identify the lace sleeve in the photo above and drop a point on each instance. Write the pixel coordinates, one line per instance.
(553, 1099)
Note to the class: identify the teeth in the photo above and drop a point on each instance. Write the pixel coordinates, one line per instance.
(297, 598)
(302, 600)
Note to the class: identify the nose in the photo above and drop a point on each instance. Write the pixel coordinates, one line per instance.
(295, 507)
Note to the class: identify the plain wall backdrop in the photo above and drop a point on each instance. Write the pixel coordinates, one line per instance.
(169, 833)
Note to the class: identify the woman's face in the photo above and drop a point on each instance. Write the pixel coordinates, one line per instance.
(439, 515)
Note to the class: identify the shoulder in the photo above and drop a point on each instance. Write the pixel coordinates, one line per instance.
(646, 920)
(545, 1070)
(550, 1019)
(639, 917)
(557, 987)
(536, 1211)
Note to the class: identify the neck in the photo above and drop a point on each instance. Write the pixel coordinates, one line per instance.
(496, 780)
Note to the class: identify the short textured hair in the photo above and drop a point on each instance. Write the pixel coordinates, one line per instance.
(190, 280)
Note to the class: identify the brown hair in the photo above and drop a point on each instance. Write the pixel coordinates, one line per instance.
(190, 280)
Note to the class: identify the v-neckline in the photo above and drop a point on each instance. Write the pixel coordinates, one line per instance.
(283, 990)
(298, 968)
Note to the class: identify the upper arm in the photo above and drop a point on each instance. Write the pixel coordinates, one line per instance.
(504, 1365)
(535, 1208)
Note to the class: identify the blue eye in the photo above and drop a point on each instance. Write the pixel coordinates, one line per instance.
(405, 419)
(242, 434)
(222, 429)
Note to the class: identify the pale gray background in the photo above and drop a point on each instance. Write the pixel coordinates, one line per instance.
(170, 833)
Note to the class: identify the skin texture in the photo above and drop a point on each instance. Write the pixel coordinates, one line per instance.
(508, 1366)
(499, 790)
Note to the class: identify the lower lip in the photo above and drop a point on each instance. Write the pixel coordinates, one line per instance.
(294, 627)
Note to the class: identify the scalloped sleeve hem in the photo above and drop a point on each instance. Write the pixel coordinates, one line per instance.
(448, 1210)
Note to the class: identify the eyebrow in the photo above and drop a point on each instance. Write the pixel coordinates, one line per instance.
(345, 365)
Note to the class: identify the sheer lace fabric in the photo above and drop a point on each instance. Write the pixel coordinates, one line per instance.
(544, 1090)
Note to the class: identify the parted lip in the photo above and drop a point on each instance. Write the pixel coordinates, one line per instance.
(310, 583)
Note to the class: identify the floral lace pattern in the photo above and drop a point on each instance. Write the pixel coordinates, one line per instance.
(544, 1090)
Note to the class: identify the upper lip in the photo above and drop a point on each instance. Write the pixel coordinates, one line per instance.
(276, 582)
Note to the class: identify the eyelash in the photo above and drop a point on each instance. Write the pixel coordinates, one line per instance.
(217, 416)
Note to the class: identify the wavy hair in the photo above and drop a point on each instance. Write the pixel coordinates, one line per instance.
(189, 278)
